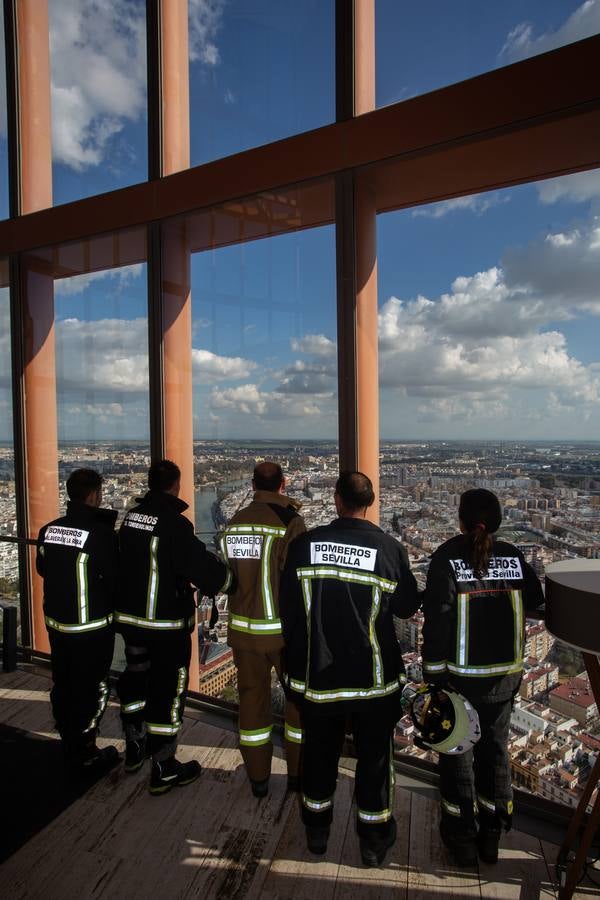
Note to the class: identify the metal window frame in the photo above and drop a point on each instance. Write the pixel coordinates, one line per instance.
(506, 103)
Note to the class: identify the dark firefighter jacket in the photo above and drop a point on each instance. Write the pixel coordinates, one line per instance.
(255, 546)
(474, 630)
(160, 560)
(77, 558)
(341, 586)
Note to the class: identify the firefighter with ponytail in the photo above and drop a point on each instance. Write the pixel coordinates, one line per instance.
(479, 591)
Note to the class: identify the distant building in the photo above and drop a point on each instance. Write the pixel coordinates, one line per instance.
(538, 641)
(574, 699)
(217, 668)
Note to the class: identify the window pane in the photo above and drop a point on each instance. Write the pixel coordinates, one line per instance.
(9, 558)
(87, 309)
(265, 386)
(98, 74)
(102, 379)
(421, 47)
(3, 126)
(259, 72)
(489, 375)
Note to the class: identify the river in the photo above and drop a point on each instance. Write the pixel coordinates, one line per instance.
(204, 499)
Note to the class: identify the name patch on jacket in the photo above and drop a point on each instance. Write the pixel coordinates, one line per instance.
(141, 521)
(68, 537)
(343, 555)
(244, 546)
(508, 567)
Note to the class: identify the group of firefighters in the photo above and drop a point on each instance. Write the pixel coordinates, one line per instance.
(317, 606)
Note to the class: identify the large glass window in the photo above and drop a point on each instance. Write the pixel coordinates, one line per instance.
(424, 46)
(98, 96)
(259, 72)
(101, 328)
(489, 329)
(265, 387)
(86, 371)
(3, 129)
(9, 557)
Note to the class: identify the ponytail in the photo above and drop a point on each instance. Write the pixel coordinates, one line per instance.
(480, 550)
(480, 515)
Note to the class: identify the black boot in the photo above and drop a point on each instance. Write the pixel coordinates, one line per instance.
(293, 784)
(260, 789)
(169, 773)
(82, 755)
(488, 840)
(373, 849)
(460, 843)
(316, 839)
(135, 754)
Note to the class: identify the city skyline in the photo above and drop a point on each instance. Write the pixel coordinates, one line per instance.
(488, 303)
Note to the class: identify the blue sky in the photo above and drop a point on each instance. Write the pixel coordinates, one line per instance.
(501, 289)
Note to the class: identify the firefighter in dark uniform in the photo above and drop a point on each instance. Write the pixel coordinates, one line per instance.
(160, 560)
(77, 558)
(341, 587)
(479, 590)
(255, 545)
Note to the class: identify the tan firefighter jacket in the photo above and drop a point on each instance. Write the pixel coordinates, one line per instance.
(255, 545)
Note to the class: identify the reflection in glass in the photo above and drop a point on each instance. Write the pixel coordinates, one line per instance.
(102, 378)
(489, 377)
(3, 127)
(101, 333)
(259, 72)
(98, 94)
(265, 386)
(9, 559)
(423, 47)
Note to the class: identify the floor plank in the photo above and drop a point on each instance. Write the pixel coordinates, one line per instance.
(355, 880)
(430, 869)
(214, 839)
(295, 872)
(521, 871)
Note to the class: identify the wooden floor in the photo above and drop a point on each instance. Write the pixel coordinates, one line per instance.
(212, 839)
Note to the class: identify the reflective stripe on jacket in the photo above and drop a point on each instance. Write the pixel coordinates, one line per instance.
(255, 546)
(474, 629)
(77, 558)
(161, 560)
(341, 587)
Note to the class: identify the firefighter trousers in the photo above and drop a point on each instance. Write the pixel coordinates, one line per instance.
(256, 714)
(153, 687)
(372, 724)
(477, 784)
(79, 694)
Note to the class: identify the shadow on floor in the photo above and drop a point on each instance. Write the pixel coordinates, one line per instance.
(36, 785)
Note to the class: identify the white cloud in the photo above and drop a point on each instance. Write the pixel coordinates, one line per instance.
(102, 412)
(578, 188)
(205, 18)
(104, 357)
(559, 274)
(208, 368)
(475, 203)
(308, 378)
(250, 400)
(78, 284)
(485, 349)
(98, 71)
(522, 43)
(110, 356)
(314, 344)
(98, 74)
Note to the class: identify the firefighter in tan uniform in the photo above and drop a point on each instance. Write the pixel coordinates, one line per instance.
(255, 545)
